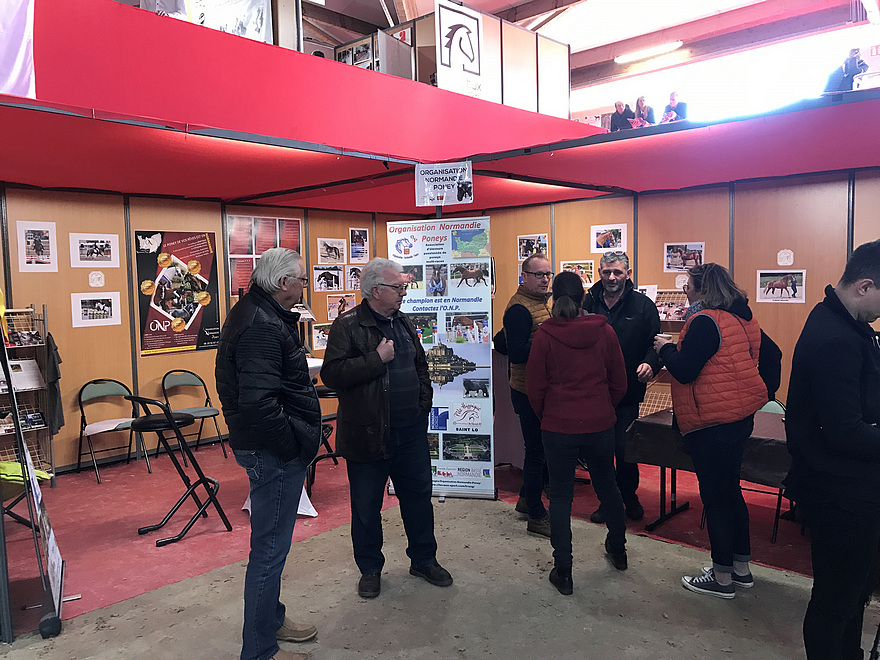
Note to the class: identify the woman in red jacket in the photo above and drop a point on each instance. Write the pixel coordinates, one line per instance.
(575, 377)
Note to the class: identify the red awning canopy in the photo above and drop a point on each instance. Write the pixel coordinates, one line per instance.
(191, 112)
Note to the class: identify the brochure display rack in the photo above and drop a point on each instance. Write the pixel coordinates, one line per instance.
(25, 440)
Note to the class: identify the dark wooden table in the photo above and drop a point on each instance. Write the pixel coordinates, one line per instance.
(653, 441)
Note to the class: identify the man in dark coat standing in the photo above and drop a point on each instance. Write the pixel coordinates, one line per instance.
(376, 363)
(274, 421)
(834, 441)
(635, 320)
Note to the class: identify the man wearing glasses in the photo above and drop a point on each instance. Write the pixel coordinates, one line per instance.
(525, 312)
(635, 320)
(376, 363)
(274, 421)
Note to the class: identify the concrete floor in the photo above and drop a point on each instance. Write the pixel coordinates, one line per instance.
(501, 606)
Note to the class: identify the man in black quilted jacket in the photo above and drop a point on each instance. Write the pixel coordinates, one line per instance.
(274, 421)
(375, 362)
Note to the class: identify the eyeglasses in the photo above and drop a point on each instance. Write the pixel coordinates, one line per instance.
(304, 280)
(399, 288)
(541, 276)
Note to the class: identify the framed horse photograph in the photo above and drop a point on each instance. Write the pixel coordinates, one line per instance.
(681, 257)
(328, 278)
(331, 250)
(607, 237)
(781, 286)
(359, 243)
(94, 250)
(37, 252)
(530, 244)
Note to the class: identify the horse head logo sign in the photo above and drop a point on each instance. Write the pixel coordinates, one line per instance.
(460, 31)
(406, 248)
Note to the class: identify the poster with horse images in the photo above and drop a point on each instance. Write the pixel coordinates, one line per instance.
(781, 286)
(681, 257)
(447, 267)
(178, 302)
(359, 242)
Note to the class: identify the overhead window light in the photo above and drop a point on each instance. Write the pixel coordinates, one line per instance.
(648, 52)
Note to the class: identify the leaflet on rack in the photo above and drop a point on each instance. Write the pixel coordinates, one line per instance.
(25, 376)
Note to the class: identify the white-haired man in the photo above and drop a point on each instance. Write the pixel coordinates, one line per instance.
(376, 363)
(274, 421)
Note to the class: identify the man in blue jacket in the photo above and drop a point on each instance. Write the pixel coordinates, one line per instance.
(274, 421)
(834, 442)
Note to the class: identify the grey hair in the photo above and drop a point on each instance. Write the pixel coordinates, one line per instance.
(371, 275)
(274, 264)
(611, 257)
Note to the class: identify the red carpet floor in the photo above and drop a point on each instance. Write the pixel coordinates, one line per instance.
(107, 561)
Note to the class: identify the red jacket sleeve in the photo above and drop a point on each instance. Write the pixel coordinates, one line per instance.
(615, 367)
(536, 372)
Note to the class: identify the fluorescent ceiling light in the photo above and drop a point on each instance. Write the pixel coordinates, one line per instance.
(648, 52)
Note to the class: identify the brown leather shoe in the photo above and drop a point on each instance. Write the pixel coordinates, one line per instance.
(295, 632)
(539, 526)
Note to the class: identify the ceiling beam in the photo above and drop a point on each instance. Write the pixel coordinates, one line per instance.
(789, 28)
(534, 8)
(328, 17)
(406, 10)
(316, 29)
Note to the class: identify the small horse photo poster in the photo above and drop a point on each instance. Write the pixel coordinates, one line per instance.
(359, 241)
(320, 331)
(353, 278)
(96, 308)
(781, 286)
(583, 268)
(681, 257)
(531, 244)
(328, 278)
(37, 252)
(471, 274)
(331, 250)
(607, 237)
(338, 305)
(91, 250)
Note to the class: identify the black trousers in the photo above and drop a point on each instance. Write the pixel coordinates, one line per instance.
(844, 552)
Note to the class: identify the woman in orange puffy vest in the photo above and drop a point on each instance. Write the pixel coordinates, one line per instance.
(715, 394)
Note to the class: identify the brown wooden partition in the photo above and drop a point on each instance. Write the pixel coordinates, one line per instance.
(807, 215)
(866, 225)
(87, 353)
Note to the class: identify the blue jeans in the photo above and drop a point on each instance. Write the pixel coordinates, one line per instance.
(276, 489)
(409, 466)
(597, 450)
(717, 453)
(533, 462)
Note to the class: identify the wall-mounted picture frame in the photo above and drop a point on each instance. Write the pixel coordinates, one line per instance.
(681, 257)
(359, 245)
(331, 250)
(37, 248)
(605, 238)
(583, 268)
(781, 286)
(529, 244)
(95, 308)
(94, 250)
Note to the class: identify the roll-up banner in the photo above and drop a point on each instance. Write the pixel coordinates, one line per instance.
(446, 265)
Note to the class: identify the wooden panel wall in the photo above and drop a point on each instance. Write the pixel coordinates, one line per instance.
(504, 226)
(87, 353)
(172, 215)
(572, 221)
(806, 215)
(681, 217)
(867, 218)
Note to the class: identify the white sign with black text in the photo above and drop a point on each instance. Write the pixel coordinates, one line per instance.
(444, 184)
